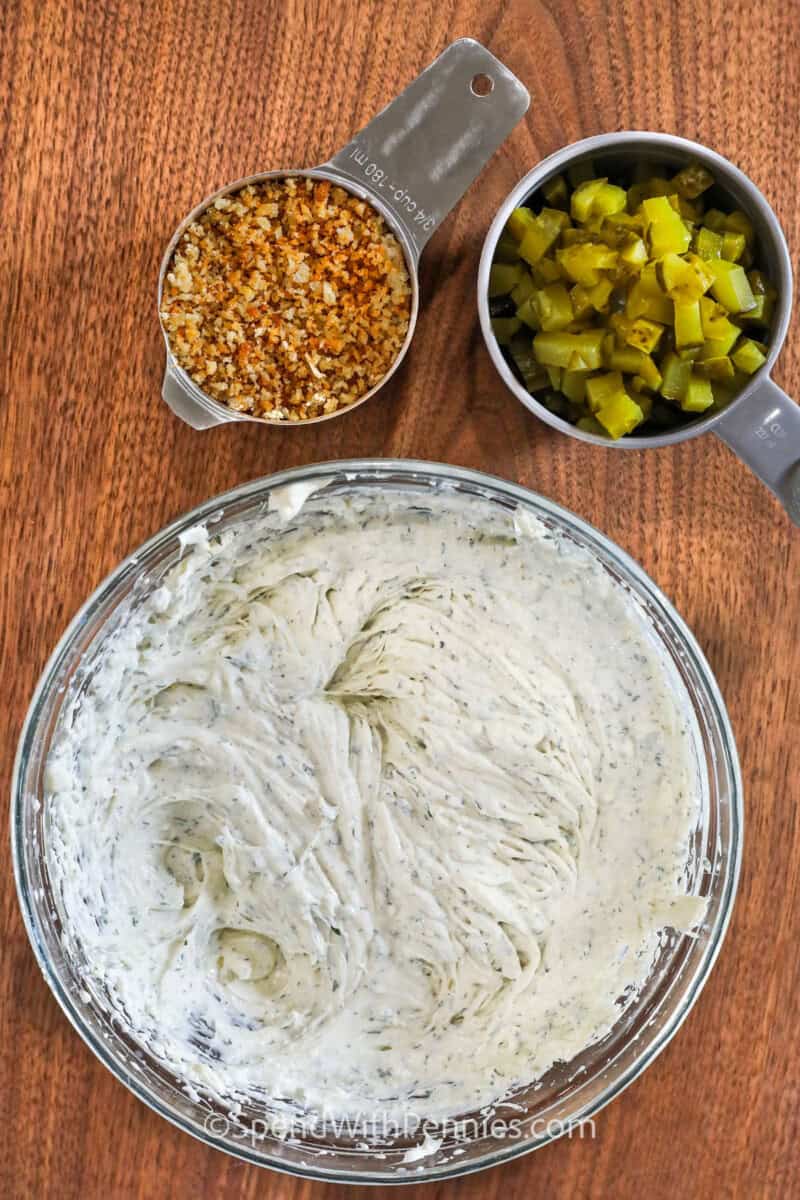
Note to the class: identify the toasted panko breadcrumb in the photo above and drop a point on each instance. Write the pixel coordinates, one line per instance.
(288, 299)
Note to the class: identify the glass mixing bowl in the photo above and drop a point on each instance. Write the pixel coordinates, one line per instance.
(571, 1092)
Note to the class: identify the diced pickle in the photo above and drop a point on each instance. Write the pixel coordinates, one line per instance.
(733, 246)
(621, 415)
(748, 356)
(504, 329)
(503, 277)
(583, 263)
(644, 401)
(707, 243)
(546, 271)
(539, 237)
(716, 326)
(714, 219)
(523, 289)
(647, 299)
(675, 377)
(635, 311)
(720, 346)
(666, 230)
(635, 362)
(723, 394)
(688, 324)
(556, 193)
(684, 278)
(528, 314)
(737, 222)
(596, 198)
(692, 181)
(600, 294)
(690, 210)
(552, 306)
(520, 222)
(764, 297)
(507, 249)
(573, 385)
(731, 286)
(698, 395)
(532, 373)
(634, 253)
(601, 389)
(761, 312)
(643, 334)
(715, 368)
(556, 349)
(654, 185)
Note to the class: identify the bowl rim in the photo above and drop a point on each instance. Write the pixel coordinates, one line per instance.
(349, 470)
(606, 143)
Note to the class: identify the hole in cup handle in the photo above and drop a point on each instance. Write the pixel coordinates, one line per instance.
(764, 430)
(421, 153)
(481, 85)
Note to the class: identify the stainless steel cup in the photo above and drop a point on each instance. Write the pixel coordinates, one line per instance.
(412, 163)
(762, 424)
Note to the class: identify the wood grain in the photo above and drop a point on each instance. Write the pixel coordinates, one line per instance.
(115, 118)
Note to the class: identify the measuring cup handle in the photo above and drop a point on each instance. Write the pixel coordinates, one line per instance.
(764, 430)
(421, 153)
(184, 405)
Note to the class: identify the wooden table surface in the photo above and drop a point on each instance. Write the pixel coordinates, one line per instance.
(115, 119)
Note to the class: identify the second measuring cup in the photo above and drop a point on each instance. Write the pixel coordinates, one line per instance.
(412, 163)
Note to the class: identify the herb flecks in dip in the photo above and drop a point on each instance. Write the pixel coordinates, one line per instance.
(378, 805)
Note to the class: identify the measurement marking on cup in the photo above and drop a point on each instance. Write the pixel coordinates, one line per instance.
(380, 181)
(770, 430)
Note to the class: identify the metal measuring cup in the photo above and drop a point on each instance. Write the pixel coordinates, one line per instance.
(761, 424)
(412, 163)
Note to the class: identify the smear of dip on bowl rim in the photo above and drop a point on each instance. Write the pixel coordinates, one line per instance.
(376, 803)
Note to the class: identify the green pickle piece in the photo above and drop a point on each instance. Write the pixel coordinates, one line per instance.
(504, 329)
(644, 335)
(733, 246)
(748, 356)
(553, 307)
(633, 304)
(720, 368)
(523, 289)
(556, 193)
(503, 277)
(688, 325)
(675, 376)
(698, 395)
(692, 181)
(532, 373)
(556, 349)
(620, 415)
(520, 222)
(507, 249)
(731, 286)
(708, 244)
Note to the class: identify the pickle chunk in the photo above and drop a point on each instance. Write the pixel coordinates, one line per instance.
(632, 303)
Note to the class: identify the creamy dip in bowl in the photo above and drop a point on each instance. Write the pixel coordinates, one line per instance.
(385, 799)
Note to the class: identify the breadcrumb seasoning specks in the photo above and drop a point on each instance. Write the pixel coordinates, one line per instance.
(289, 299)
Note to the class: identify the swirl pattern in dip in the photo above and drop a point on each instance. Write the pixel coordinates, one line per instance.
(379, 805)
